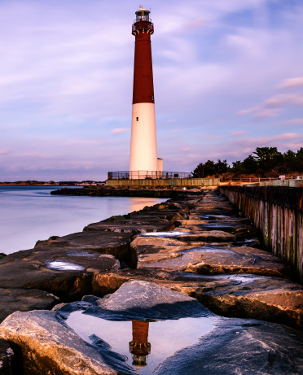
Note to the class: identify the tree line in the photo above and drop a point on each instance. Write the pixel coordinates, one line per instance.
(263, 162)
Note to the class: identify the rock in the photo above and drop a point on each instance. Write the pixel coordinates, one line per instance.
(116, 244)
(239, 260)
(240, 347)
(47, 346)
(205, 236)
(6, 358)
(33, 273)
(24, 300)
(131, 226)
(145, 300)
(267, 298)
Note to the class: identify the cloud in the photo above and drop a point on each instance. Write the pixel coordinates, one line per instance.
(119, 130)
(291, 82)
(194, 24)
(273, 106)
(296, 121)
(267, 113)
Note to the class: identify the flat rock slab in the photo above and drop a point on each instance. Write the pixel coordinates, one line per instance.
(268, 298)
(33, 273)
(205, 258)
(49, 347)
(6, 358)
(133, 227)
(240, 347)
(205, 236)
(24, 300)
(116, 244)
(242, 259)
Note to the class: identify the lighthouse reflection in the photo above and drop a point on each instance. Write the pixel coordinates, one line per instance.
(139, 347)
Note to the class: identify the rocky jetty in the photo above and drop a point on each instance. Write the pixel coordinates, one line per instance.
(107, 190)
(192, 250)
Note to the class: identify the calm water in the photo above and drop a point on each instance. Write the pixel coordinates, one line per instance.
(165, 337)
(31, 213)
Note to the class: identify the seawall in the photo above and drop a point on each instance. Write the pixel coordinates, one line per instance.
(184, 182)
(278, 213)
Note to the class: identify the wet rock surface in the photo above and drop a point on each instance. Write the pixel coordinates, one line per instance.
(240, 347)
(46, 346)
(229, 346)
(28, 270)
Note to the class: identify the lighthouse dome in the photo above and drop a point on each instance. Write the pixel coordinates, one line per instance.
(142, 14)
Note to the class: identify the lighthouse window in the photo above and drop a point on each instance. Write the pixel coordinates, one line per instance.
(137, 118)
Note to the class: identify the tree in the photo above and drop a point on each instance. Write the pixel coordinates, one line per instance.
(250, 165)
(267, 157)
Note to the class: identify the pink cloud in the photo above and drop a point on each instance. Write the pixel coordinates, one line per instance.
(194, 23)
(119, 130)
(247, 111)
(272, 107)
(291, 82)
(267, 113)
(296, 121)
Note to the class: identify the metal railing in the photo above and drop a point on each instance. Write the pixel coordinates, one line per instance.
(260, 179)
(147, 175)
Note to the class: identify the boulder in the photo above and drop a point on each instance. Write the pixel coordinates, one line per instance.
(242, 259)
(105, 242)
(240, 347)
(141, 300)
(45, 345)
(33, 272)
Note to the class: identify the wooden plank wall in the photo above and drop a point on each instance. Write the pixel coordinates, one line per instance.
(281, 227)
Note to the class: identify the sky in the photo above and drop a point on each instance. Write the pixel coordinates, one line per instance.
(228, 77)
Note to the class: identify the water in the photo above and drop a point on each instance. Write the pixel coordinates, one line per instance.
(31, 213)
(165, 337)
(164, 234)
(59, 265)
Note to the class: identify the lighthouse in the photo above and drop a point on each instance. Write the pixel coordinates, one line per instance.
(139, 347)
(143, 148)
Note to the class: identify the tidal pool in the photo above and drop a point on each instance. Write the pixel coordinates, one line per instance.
(145, 345)
(164, 234)
(59, 265)
(205, 249)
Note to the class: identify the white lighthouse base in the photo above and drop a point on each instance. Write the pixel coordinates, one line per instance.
(143, 147)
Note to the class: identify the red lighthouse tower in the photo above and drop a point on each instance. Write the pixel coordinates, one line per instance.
(143, 150)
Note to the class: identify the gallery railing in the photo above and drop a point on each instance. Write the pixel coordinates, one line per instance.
(148, 175)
